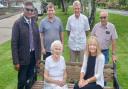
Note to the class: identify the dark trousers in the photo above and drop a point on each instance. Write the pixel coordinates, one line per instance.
(26, 73)
(89, 86)
(46, 55)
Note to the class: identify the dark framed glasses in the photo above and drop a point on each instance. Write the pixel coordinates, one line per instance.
(103, 17)
(28, 9)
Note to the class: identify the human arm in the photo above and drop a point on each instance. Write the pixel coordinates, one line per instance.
(114, 58)
(100, 61)
(114, 37)
(38, 47)
(83, 72)
(62, 37)
(43, 51)
(68, 27)
(15, 45)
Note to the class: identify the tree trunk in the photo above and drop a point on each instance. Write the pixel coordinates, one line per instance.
(93, 12)
(62, 2)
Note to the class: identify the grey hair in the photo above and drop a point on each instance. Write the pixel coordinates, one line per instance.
(76, 3)
(56, 42)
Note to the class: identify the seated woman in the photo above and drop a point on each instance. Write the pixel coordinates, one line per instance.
(55, 68)
(91, 76)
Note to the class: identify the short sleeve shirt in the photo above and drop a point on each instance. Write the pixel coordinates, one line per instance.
(51, 31)
(77, 28)
(104, 34)
(55, 69)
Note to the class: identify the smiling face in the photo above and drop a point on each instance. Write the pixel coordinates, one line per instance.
(92, 47)
(51, 12)
(56, 48)
(77, 8)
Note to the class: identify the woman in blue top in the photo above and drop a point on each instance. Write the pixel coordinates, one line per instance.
(91, 76)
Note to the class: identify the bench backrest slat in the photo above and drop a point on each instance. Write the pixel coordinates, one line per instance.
(73, 72)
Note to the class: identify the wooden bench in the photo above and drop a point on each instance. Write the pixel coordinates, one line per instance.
(73, 74)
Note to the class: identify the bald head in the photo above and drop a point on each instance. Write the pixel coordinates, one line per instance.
(104, 17)
(104, 13)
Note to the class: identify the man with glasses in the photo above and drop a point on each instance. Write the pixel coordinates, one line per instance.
(106, 35)
(26, 47)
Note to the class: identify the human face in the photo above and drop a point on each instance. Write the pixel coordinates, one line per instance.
(92, 48)
(104, 18)
(57, 50)
(51, 12)
(77, 10)
(29, 11)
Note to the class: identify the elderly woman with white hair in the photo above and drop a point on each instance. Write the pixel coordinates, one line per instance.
(55, 68)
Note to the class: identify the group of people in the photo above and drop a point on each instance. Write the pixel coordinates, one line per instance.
(28, 42)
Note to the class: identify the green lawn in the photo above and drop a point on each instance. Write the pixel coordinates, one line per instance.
(8, 76)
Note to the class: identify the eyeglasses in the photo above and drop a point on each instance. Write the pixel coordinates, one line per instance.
(104, 17)
(27, 9)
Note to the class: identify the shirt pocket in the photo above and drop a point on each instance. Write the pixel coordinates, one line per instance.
(108, 37)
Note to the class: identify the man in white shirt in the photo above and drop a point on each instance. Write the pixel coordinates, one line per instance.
(77, 25)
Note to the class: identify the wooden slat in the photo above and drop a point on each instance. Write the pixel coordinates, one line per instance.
(108, 88)
(39, 85)
(73, 74)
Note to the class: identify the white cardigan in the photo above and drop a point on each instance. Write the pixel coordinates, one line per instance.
(99, 67)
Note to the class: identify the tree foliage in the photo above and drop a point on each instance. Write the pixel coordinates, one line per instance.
(123, 2)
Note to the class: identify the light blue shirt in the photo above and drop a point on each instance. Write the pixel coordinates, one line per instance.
(51, 31)
(77, 28)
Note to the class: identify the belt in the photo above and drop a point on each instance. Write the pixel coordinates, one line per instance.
(104, 49)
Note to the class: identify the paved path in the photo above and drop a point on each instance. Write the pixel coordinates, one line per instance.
(6, 28)
(120, 12)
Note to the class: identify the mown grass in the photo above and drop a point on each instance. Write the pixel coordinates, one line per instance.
(8, 76)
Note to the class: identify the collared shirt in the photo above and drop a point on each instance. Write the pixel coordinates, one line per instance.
(77, 28)
(51, 30)
(28, 21)
(104, 34)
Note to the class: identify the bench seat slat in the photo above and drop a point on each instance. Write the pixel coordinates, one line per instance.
(73, 74)
(39, 85)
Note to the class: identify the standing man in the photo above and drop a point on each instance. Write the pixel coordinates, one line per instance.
(26, 47)
(77, 25)
(106, 35)
(51, 29)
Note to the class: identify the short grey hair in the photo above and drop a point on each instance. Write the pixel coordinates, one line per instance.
(76, 3)
(54, 43)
